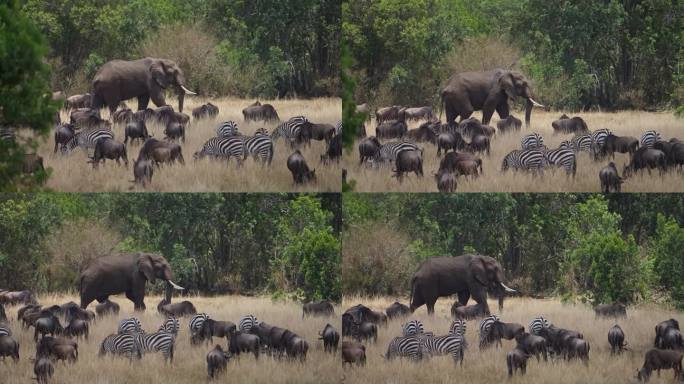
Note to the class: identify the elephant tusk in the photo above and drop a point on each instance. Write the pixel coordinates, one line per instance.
(176, 286)
(507, 288)
(536, 104)
(187, 91)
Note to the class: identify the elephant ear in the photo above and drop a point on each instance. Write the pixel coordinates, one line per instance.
(159, 73)
(145, 267)
(478, 270)
(505, 83)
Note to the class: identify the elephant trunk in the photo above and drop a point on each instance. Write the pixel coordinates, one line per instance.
(167, 292)
(528, 112)
(181, 99)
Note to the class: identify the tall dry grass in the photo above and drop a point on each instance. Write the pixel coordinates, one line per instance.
(189, 364)
(493, 180)
(73, 173)
(489, 366)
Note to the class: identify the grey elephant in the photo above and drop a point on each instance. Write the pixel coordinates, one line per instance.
(466, 275)
(144, 79)
(487, 91)
(111, 275)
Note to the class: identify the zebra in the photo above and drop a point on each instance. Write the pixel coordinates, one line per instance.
(227, 129)
(485, 328)
(598, 139)
(224, 148)
(196, 323)
(412, 328)
(532, 141)
(157, 342)
(528, 159)
(260, 146)
(170, 325)
(582, 143)
(86, 139)
(450, 344)
(338, 127)
(649, 138)
(537, 324)
(121, 344)
(131, 325)
(389, 151)
(247, 322)
(458, 327)
(291, 130)
(7, 134)
(406, 346)
(562, 157)
(5, 331)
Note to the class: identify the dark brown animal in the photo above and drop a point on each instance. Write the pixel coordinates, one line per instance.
(142, 171)
(78, 101)
(240, 342)
(387, 113)
(9, 347)
(616, 339)
(479, 143)
(396, 310)
(260, 112)
(43, 370)
(611, 310)
(423, 134)
(511, 123)
(621, 144)
(180, 309)
(58, 349)
(330, 337)
(446, 181)
(517, 360)
(63, 133)
(32, 163)
(136, 129)
(391, 129)
(319, 308)
(322, 132)
(609, 178)
(122, 116)
(646, 158)
(532, 344)
(657, 359)
(77, 328)
(217, 361)
(418, 113)
(204, 111)
(301, 174)
(107, 308)
(450, 160)
(368, 148)
(661, 330)
(408, 161)
(508, 331)
(353, 353)
(467, 312)
(109, 149)
(573, 125)
(450, 140)
(212, 328)
(174, 131)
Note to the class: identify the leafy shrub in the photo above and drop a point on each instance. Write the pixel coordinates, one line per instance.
(668, 262)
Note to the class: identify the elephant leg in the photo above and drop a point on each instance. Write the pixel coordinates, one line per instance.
(430, 307)
(480, 296)
(143, 101)
(158, 99)
(463, 297)
(502, 110)
(466, 113)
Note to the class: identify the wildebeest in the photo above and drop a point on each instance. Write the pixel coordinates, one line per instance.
(122, 116)
(319, 308)
(365, 330)
(446, 181)
(212, 328)
(87, 118)
(330, 338)
(646, 158)
(621, 144)
(207, 110)
(217, 360)
(174, 131)
(32, 163)
(77, 328)
(558, 339)
(451, 159)
(408, 161)
(334, 150)
(106, 308)
(511, 123)
(142, 171)
(58, 349)
(616, 339)
(423, 133)
(260, 112)
(353, 353)
(107, 148)
(43, 369)
(368, 148)
(16, 297)
(516, 359)
(609, 178)
(657, 359)
(47, 325)
(387, 113)
(479, 143)
(136, 129)
(671, 339)
(240, 342)
(301, 174)
(611, 310)
(63, 133)
(322, 132)
(572, 125)
(508, 331)
(397, 309)
(532, 345)
(391, 129)
(179, 309)
(78, 101)
(472, 126)
(418, 113)
(577, 348)
(161, 152)
(9, 347)
(468, 312)
(450, 140)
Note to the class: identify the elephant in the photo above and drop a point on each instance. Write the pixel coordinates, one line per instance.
(144, 79)
(128, 273)
(486, 91)
(466, 275)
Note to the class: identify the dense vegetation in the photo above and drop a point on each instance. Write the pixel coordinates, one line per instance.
(286, 245)
(578, 246)
(226, 47)
(581, 54)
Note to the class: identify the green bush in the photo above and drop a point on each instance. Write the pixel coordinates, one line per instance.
(668, 263)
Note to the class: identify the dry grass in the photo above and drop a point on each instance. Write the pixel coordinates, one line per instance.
(489, 366)
(74, 174)
(189, 365)
(492, 180)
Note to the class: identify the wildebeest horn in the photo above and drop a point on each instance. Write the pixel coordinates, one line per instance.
(536, 104)
(507, 288)
(174, 285)
(187, 91)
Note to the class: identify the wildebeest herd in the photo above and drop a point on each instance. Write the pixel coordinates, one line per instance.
(541, 339)
(58, 330)
(468, 144)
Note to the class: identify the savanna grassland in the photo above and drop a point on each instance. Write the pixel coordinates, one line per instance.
(631, 123)
(73, 173)
(489, 366)
(189, 364)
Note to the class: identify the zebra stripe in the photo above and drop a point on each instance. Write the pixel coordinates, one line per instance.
(131, 325)
(247, 322)
(196, 322)
(412, 328)
(485, 328)
(289, 129)
(227, 129)
(226, 147)
(532, 141)
(458, 327)
(598, 138)
(338, 127)
(7, 134)
(157, 342)
(582, 143)
(405, 346)
(562, 157)
(537, 324)
(445, 345)
(389, 151)
(122, 344)
(528, 159)
(170, 325)
(5, 331)
(260, 146)
(649, 138)
(87, 139)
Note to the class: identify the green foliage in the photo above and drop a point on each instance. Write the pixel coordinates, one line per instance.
(25, 96)
(668, 263)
